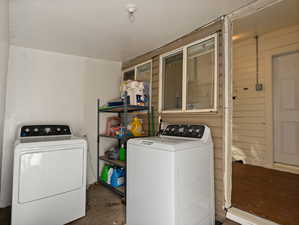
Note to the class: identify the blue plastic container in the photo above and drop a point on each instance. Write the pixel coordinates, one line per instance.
(118, 177)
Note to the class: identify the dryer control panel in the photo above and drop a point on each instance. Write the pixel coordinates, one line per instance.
(44, 130)
(191, 131)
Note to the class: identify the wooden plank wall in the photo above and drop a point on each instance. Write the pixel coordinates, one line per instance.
(214, 120)
(249, 106)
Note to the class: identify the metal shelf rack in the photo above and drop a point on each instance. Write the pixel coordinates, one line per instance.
(118, 190)
(122, 112)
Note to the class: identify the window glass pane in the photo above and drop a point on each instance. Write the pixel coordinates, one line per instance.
(143, 73)
(172, 81)
(129, 75)
(200, 75)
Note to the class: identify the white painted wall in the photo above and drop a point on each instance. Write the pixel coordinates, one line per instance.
(52, 87)
(105, 87)
(4, 46)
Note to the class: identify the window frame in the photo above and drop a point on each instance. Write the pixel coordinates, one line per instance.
(184, 49)
(174, 52)
(135, 75)
(126, 70)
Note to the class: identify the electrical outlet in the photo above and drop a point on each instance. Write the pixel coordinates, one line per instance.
(259, 87)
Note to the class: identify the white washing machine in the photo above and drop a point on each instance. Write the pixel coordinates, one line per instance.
(49, 176)
(170, 179)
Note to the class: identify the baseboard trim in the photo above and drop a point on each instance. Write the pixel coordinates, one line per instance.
(245, 218)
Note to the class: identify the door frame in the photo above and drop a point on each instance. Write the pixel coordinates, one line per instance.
(247, 10)
(268, 56)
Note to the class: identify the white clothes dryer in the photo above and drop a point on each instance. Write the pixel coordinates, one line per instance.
(49, 176)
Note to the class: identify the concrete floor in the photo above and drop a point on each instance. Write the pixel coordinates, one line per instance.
(103, 208)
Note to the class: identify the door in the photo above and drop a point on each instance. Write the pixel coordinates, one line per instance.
(43, 174)
(285, 70)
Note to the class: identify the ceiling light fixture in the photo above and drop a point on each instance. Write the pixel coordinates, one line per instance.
(131, 8)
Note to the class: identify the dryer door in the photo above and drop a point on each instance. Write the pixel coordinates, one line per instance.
(48, 172)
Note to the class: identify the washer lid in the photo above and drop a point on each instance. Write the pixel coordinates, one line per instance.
(178, 137)
(47, 142)
(168, 143)
(47, 139)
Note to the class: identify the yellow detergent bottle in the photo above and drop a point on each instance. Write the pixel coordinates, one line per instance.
(136, 127)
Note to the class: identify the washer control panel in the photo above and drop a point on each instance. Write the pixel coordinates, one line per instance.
(191, 131)
(44, 130)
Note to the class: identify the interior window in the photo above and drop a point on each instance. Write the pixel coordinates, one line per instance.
(172, 81)
(129, 75)
(189, 77)
(144, 73)
(200, 75)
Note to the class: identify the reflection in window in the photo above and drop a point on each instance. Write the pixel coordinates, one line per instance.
(144, 73)
(129, 75)
(200, 75)
(172, 81)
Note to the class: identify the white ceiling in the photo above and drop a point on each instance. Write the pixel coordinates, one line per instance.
(282, 14)
(101, 28)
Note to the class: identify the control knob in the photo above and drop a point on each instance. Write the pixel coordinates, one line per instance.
(47, 130)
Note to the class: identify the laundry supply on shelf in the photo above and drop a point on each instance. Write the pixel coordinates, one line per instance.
(112, 122)
(135, 127)
(118, 177)
(104, 174)
(112, 153)
(135, 92)
(122, 153)
(110, 172)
